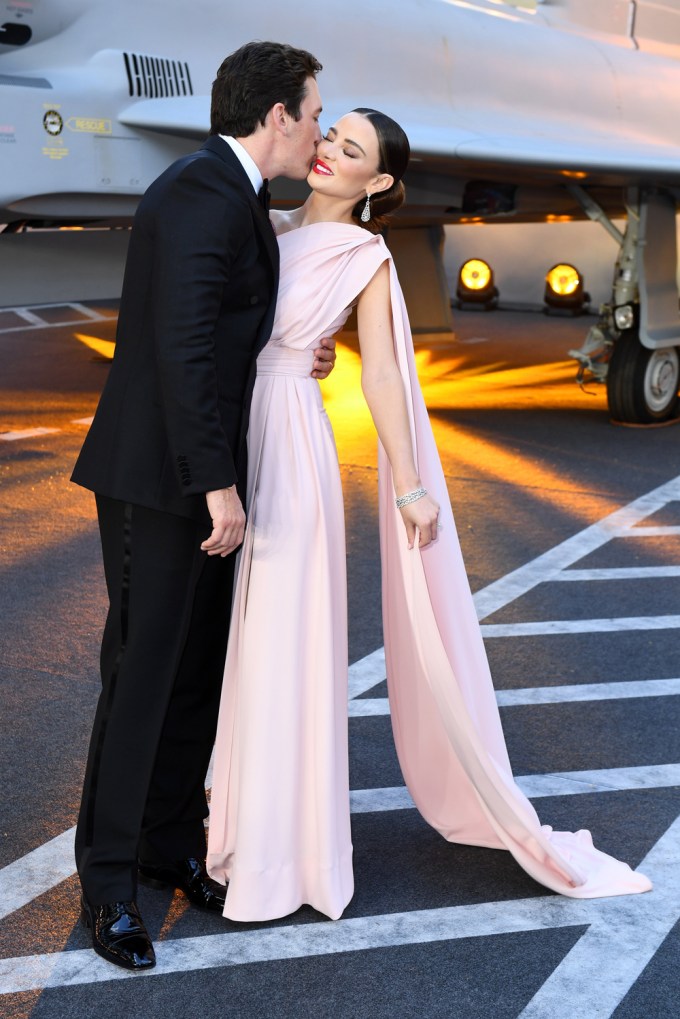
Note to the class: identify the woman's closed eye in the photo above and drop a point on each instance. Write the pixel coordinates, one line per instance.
(345, 152)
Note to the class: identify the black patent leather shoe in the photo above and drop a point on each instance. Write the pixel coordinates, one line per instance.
(191, 877)
(119, 934)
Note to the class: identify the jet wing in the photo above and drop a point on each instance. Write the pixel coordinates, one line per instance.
(567, 149)
(181, 116)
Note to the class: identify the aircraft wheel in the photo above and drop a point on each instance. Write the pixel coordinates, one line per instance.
(642, 384)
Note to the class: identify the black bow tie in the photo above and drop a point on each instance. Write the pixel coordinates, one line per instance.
(264, 196)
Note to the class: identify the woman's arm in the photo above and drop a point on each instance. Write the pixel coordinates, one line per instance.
(383, 388)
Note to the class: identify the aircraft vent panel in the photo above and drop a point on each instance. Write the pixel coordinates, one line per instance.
(157, 77)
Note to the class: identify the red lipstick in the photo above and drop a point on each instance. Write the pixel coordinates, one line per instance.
(322, 168)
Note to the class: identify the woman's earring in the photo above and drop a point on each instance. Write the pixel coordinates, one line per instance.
(366, 211)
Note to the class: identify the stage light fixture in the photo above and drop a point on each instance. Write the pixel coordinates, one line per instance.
(564, 290)
(476, 285)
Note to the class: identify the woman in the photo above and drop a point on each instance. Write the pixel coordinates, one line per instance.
(279, 826)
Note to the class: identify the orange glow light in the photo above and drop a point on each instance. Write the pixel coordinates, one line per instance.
(563, 279)
(103, 347)
(475, 274)
(452, 385)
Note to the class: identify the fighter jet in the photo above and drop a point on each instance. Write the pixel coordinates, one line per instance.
(517, 110)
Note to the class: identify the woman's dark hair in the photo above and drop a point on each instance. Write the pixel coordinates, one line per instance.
(252, 80)
(395, 152)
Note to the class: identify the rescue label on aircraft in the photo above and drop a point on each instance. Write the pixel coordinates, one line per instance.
(90, 125)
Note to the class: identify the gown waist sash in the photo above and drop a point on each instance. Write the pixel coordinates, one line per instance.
(277, 360)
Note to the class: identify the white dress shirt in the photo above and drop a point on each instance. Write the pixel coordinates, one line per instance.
(246, 161)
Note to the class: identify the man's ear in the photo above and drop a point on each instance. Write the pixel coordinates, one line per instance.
(279, 116)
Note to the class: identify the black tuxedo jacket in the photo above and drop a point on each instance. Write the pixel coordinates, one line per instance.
(196, 309)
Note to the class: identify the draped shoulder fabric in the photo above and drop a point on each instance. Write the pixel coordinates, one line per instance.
(279, 829)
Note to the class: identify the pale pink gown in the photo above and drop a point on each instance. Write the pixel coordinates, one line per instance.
(279, 822)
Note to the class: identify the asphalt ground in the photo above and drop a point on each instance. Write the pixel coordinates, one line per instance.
(434, 930)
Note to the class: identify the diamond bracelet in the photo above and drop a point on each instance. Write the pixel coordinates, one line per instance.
(404, 500)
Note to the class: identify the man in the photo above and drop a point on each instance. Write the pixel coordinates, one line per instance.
(165, 457)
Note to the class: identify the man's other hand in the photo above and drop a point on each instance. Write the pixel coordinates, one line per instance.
(228, 520)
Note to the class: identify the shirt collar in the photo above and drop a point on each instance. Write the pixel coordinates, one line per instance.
(246, 161)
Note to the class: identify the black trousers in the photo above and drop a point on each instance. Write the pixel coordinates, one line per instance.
(162, 663)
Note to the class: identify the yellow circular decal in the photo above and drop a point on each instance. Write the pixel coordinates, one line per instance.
(52, 122)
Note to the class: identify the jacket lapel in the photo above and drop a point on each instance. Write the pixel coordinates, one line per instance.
(215, 144)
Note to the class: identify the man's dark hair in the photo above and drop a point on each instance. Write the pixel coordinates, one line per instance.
(255, 78)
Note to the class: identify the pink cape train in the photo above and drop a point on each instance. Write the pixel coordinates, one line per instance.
(445, 718)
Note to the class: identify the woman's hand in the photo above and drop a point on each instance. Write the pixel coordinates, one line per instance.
(423, 515)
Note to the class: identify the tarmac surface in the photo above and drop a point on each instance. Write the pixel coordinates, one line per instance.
(570, 528)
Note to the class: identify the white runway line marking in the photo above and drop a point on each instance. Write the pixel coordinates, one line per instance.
(43, 868)
(376, 801)
(647, 532)
(595, 976)
(36, 872)
(620, 523)
(28, 316)
(573, 783)
(367, 673)
(588, 692)
(63, 969)
(28, 878)
(94, 316)
(558, 783)
(34, 321)
(553, 626)
(620, 573)
(552, 565)
(371, 706)
(626, 932)
(26, 433)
